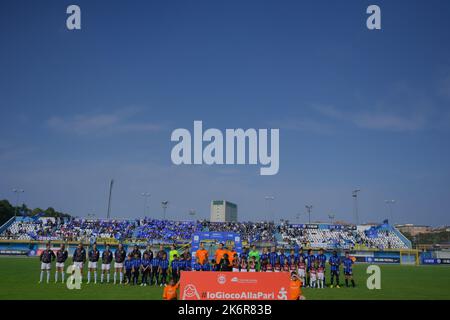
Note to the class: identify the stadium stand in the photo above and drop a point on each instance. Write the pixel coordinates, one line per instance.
(380, 237)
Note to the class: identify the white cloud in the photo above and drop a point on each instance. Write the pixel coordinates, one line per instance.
(375, 120)
(305, 125)
(103, 123)
(388, 122)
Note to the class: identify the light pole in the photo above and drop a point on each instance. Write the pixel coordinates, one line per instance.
(164, 205)
(331, 216)
(268, 201)
(108, 213)
(309, 208)
(390, 203)
(17, 192)
(355, 204)
(146, 195)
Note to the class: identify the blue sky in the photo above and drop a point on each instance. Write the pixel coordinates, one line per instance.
(355, 108)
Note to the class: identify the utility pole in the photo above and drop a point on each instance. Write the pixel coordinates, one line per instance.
(331, 216)
(164, 205)
(108, 214)
(390, 203)
(268, 201)
(146, 195)
(309, 208)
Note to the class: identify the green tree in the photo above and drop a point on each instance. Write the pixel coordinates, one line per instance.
(6, 211)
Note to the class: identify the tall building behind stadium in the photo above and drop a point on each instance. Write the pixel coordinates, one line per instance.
(223, 211)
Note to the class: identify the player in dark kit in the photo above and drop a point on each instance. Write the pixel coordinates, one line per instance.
(46, 258)
(136, 268)
(119, 259)
(94, 256)
(282, 256)
(128, 267)
(61, 257)
(187, 260)
(264, 259)
(334, 262)
(79, 258)
(197, 265)
(273, 256)
(293, 257)
(175, 266)
(161, 251)
(162, 269)
(154, 272)
(348, 269)
(206, 266)
(145, 268)
(107, 257)
(149, 252)
(136, 251)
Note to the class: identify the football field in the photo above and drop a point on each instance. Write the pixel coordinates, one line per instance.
(19, 280)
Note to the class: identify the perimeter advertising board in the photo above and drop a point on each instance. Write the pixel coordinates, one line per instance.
(234, 285)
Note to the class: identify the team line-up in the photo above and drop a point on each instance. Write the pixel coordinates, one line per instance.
(150, 268)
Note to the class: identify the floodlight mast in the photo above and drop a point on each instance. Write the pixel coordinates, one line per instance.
(164, 205)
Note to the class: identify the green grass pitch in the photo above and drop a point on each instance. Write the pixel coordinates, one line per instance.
(19, 280)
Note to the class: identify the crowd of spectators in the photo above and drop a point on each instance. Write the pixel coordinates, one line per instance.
(345, 237)
(249, 231)
(71, 229)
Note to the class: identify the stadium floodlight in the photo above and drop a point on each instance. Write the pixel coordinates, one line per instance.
(146, 195)
(355, 204)
(164, 205)
(309, 208)
(390, 203)
(269, 199)
(192, 213)
(17, 191)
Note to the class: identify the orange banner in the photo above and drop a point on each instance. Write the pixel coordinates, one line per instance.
(207, 285)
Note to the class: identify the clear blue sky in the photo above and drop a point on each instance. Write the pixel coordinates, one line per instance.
(355, 108)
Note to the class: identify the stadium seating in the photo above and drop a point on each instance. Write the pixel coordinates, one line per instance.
(344, 237)
(314, 235)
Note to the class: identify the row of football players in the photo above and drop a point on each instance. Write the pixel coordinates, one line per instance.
(155, 270)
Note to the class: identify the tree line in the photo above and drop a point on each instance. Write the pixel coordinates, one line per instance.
(7, 211)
